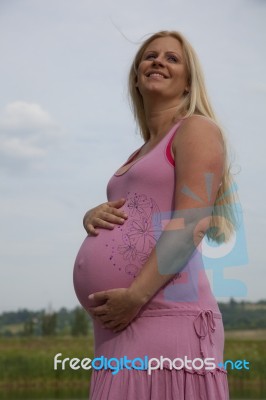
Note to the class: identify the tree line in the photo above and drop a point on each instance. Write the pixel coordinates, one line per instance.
(45, 322)
(236, 315)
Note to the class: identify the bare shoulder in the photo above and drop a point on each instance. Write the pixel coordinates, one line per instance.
(198, 132)
(199, 146)
(199, 125)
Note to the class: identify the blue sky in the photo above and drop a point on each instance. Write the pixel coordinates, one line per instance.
(66, 126)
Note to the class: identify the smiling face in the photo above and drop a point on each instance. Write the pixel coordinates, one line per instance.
(162, 70)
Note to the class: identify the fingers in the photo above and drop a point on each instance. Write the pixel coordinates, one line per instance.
(100, 312)
(113, 216)
(119, 328)
(114, 326)
(114, 207)
(106, 219)
(90, 229)
(106, 216)
(118, 213)
(102, 223)
(117, 203)
(98, 297)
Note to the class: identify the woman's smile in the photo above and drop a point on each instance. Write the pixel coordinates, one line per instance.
(156, 76)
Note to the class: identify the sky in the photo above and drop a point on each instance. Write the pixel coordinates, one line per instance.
(66, 126)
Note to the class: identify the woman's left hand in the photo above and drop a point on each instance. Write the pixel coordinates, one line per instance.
(120, 308)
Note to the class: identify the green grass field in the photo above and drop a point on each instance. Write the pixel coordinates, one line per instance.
(26, 366)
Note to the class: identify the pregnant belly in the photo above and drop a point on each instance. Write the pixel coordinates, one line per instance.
(106, 261)
(114, 257)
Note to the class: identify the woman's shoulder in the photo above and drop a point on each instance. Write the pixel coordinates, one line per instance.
(199, 132)
(198, 146)
(197, 120)
(197, 127)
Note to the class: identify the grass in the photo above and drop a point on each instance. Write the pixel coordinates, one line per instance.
(29, 359)
(251, 334)
(26, 364)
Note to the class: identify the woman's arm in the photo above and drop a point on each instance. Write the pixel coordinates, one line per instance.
(199, 162)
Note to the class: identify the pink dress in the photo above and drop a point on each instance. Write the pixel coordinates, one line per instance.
(181, 321)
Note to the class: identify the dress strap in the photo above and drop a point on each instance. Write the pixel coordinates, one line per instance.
(204, 325)
(169, 144)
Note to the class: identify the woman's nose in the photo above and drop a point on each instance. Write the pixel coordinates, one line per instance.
(158, 61)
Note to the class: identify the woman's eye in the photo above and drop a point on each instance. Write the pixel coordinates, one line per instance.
(172, 58)
(150, 56)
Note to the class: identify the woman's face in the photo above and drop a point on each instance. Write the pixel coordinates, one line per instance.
(162, 69)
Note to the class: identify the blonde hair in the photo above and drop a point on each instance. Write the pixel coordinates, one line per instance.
(224, 217)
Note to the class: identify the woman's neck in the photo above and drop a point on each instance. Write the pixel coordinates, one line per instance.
(160, 118)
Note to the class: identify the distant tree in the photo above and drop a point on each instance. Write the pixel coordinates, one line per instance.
(48, 324)
(64, 320)
(242, 304)
(80, 322)
(261, 302)
(232, 303)
(261, 323)
(28, 328)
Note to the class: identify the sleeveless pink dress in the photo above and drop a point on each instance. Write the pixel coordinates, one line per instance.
(182, 319)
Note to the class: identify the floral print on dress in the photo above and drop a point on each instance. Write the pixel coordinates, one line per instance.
(139, 234)
(137, 204)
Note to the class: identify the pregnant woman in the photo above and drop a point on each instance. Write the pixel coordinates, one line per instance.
(139, 272)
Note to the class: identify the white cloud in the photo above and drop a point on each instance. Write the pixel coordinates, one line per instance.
(26, 133)
(17, 148)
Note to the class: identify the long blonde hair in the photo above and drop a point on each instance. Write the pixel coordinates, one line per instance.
(224, 217)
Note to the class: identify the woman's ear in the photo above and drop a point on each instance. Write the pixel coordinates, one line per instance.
(187, 87)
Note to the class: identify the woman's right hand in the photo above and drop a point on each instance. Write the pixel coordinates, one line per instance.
(105, 215)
